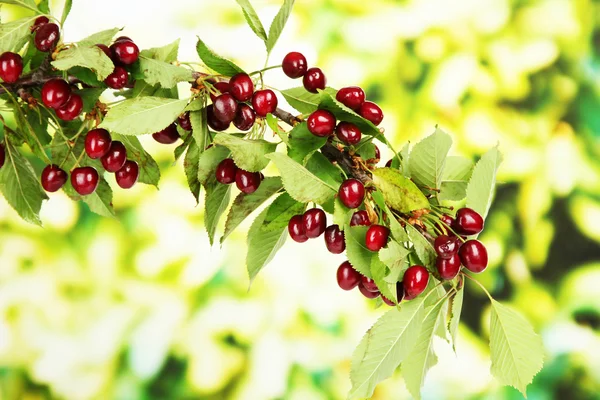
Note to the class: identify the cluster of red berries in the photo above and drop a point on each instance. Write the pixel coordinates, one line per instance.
(169, 135)
(247, 182)
(122, 52)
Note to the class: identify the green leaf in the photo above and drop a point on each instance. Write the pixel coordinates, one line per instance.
(457, 303)
(90, 96)
(34, 130)
(66, 11)
(341, 214)
(366, 149)
(428, 157)
(248, 154)
(378, 272)
(359, 256)
(394, 256)
(273, 123)
(216, 62)
(99, 202)
(14, 35)
(423, 247)
(480, 189)
(300, 183)
(102, 37)
(88, 57)
(86, 76)
(149, 170)
(215, 204)
(179, 150)
(303, 144)
(422, 357)
(208, 161)
(269, 231)
(455, 178)
(384, 347)
(161, 73)
(44, 7)
(20, 185)
(200, 128)
(253, 20)
(517, 352)
(396, 229)
(279, 23)
(143, 115)
(399, 192)
(245, 204)
(303, 100)
(319, 165)
(190, 166)
(29, 4)
(343, 113)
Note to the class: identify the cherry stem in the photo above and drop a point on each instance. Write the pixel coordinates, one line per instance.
(260, 71)
(478, 284)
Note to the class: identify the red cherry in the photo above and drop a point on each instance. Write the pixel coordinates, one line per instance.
(169, 135)
(399, 291)
(97, 143)
(448, 267)
(296, 229)
(212, 120)
(104, 49)
(115, 158)
(371, 111)
(11, 66)
(367, 293)
(352, 193)
(247, 182)
(225, 107)
(118, 79)
(360, 218)
(221, 87)
(446, 246)
(377, 153)
(46, 37)
(241, 87)
(388, 301)
(473, 256)
(125, 52)
(314, 79)
(72, 108)
(2, 155)
(376, 237)
(294, 65)
(388, 164)
(184, 121)
(415, 281)
(56, 93)
(39, 21)
(369, 284)
(53, 178)
(446, 222)
(348, 133)
(347, 277)
(128, 175)
(226, 171)
(467, 222)
(321, 123)
(264, 102)
(244, 117)
(315, 222)
(84, 180)
(335, 239)
(351, 96)
(123, 39)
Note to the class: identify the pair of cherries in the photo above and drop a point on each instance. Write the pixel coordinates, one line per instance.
(122, 52)
(57, 95)
(227, 173)
(169, 135)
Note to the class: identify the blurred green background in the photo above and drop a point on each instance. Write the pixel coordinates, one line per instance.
(141, 307)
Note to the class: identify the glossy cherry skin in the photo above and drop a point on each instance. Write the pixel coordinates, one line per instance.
(360, 218)
(244, 117)
(315, 222)
(347, 277)
(224, 107)
(123, 39)
(351, 96)
(2, 155)
(335, 239)
(369, 284)
(376, 237)
(11, 66)
(247, 182)
(321, 123)
(415, 281)
(97, 143)
(352, 193)
(169, 135)
(296, 229)
(46, 37)
(221, 87)
(128, 175)
(264, 102)
(448, 268)
(53, 178)
(55, 93)
(115, 158)
(72, 108)
(84, 180)
(125, 52)
(241, 87)
(371, 111)
(473, 256)
(446, 246)
(314, 79)
(184, 121)
(368, 294)
(225, 172)
(39, 21)
(294, 65)
(212, 121)
(467, 222)
(348, 133)
(105, 49)
(118, 79)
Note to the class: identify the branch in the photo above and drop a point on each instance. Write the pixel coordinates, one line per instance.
(32, 80)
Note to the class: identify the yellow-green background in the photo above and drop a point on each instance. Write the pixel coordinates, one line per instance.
(141, 307)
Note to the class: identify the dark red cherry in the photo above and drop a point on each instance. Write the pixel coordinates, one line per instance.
(247, 182)
(11, 66)
(72, 108)
(315, 222)
(226, 171)
(367, 293)
(446, 246)
(347, 277)
(352, 193)
(123, 39)
(399, 291)
(377, 153)
(244, 117)
(360, 218)
(118, 78)
(473, 256)
(415, 281)
(321, 123)
(448, 267)
(84, 180)
(371, 111)
(46, 37)
(128, 175)
(184, 121)
(296, 229)
(241, 87)
(214, 123)
(446, 222)
(125, 52)
(53, 178)
(264, 102)
(314, 79)
(224, 107)
(388, 164)
(467, 222)
(39, 21)
(388, 301)
(169, 135)
(376, 237)
(104, 49)
(351, 96)
(294, 65)
(115, 158)
(55, 93)
(369, 284)
(221, 87)
(334, 239)
(348, 133)
(2, 155)
(97, 143)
